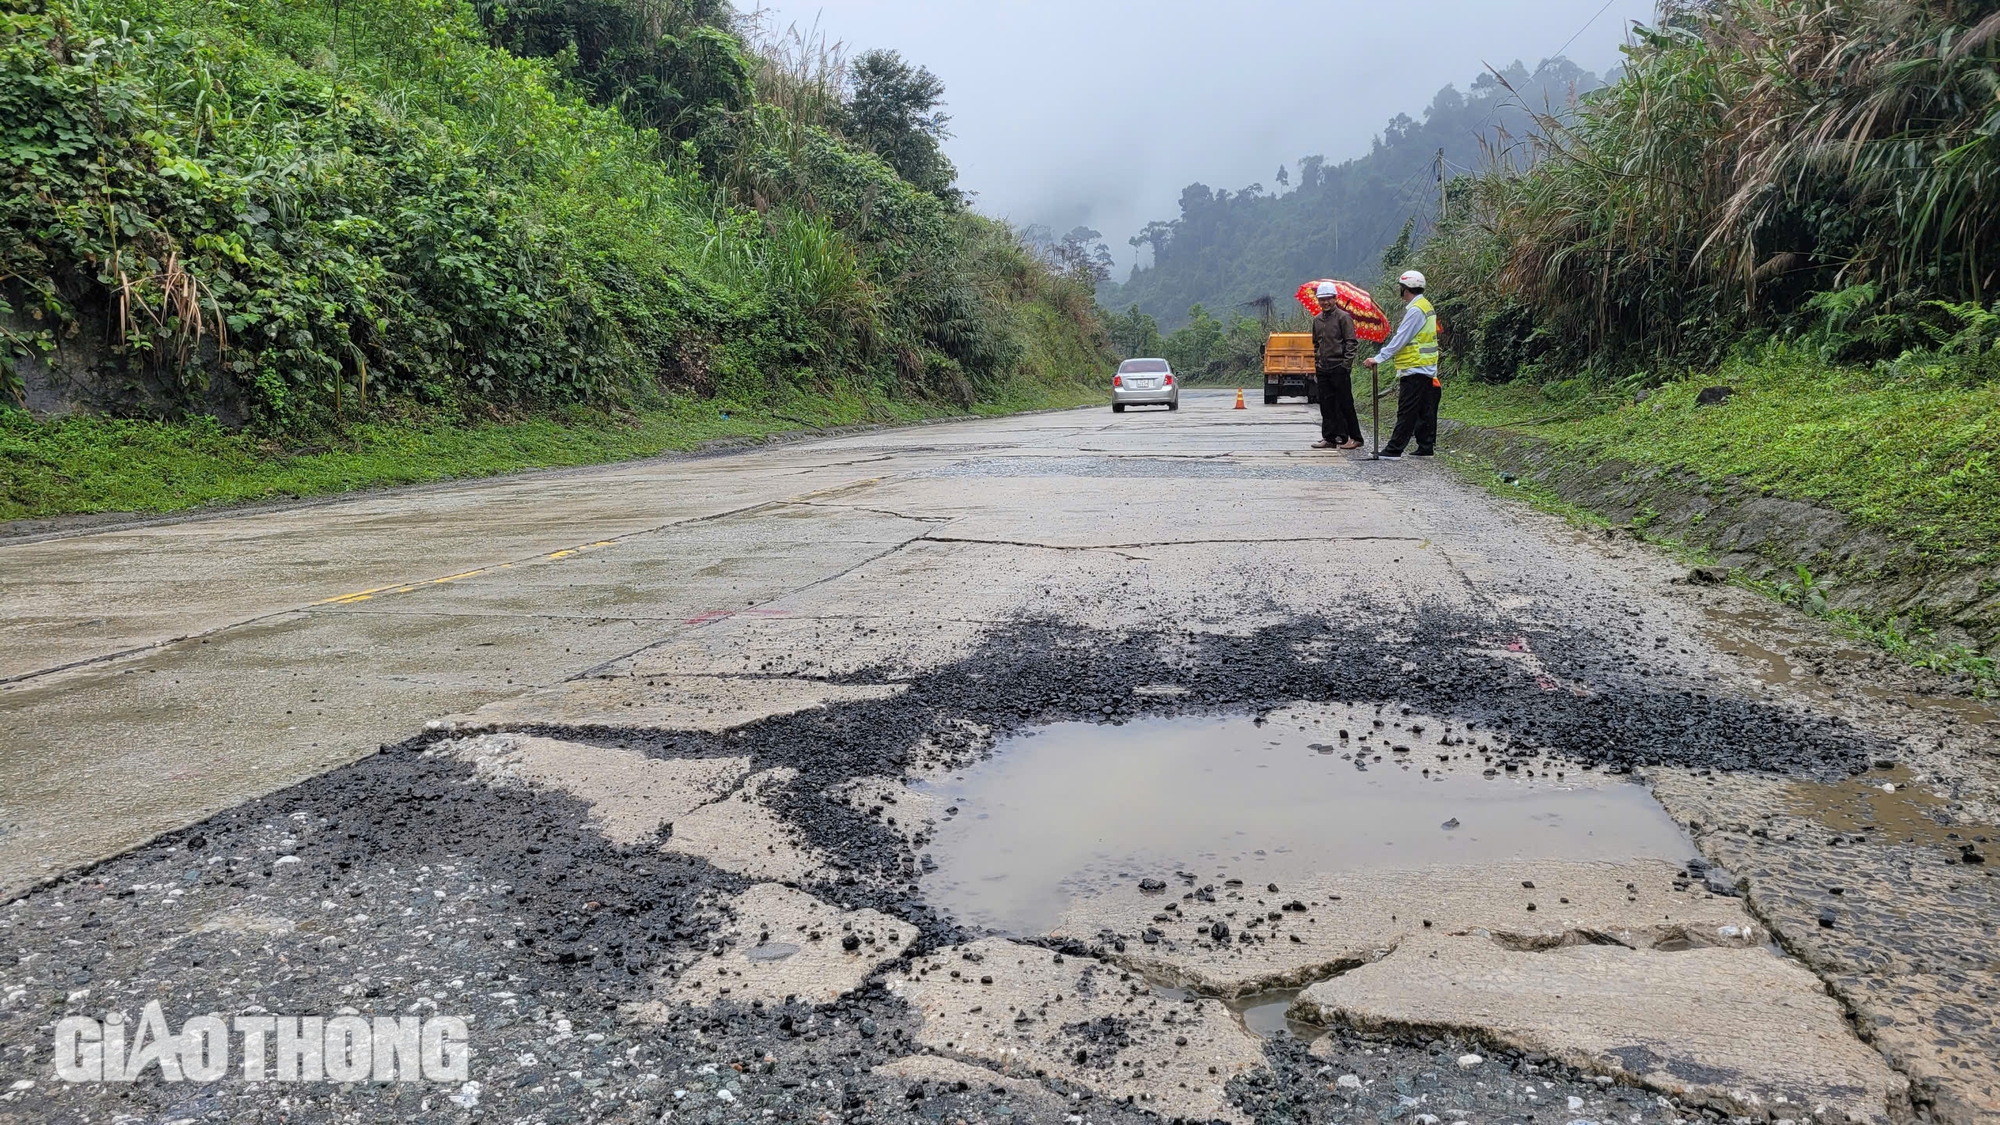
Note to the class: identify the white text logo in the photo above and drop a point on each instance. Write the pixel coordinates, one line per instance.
(263, 1048)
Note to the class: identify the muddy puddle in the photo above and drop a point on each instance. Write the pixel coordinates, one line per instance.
(1077, 808)
(1743, 634)
(1889, 806)
(1761, 640)
(1262, 1014)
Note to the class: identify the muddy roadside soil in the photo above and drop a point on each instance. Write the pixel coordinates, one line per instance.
(719, 879)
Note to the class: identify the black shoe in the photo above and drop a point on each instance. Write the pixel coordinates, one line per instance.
(1385, 455)
(1424, 453)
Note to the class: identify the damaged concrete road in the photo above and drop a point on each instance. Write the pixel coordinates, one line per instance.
(680, 762)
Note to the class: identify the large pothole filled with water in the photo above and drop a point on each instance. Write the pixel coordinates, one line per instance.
(1070, 810)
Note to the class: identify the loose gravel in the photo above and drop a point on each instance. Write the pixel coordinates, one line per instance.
(406, 884)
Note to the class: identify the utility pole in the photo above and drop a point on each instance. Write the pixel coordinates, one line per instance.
(1441, 186)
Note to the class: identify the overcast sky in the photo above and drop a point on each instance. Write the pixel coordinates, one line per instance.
(1100, 111)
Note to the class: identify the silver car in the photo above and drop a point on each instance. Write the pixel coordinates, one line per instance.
(1145, 382)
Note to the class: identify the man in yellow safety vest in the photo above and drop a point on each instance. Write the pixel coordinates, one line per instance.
(1413, 351)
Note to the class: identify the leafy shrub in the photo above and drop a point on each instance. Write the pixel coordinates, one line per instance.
(293, 209)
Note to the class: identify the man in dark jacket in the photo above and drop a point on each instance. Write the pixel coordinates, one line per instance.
(1334, 346)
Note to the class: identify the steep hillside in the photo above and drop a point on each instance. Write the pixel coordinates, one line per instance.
(296, 215)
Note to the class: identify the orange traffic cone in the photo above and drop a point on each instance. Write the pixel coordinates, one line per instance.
(1239, 399)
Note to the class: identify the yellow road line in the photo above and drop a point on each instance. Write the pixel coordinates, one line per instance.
(379, 591)
(571, 552)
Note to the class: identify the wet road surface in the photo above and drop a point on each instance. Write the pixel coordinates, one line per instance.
(664, 806)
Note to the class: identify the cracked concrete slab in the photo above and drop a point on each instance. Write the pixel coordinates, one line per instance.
(1309, 929)
(741, 834)
(630, 795)
(1867, 881)
(1090, 513)
(1935, 1028)
(1741, 1030)
(786, 943)
(1023, 1009)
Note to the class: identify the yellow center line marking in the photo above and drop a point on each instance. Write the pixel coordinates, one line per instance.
(379, 591)
(570, 552)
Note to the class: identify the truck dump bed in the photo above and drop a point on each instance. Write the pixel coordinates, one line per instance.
(1288, 367)
(1289, 353)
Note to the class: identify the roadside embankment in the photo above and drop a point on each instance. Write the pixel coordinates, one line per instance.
(85, 464)
(1866, 500)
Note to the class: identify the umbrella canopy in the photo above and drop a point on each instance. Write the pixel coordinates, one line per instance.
(1370, 322)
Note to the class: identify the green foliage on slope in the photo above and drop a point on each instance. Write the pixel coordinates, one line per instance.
(296, 213)
(94, 464)
(1816, 169)
(1915, 455)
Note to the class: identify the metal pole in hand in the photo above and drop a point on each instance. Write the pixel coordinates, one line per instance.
(1375, 403)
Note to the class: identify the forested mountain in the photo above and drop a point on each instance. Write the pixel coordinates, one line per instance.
(292, 212)
(1228, 248)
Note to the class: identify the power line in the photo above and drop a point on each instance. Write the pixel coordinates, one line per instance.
(1574, 38)
(1553, 56)
(1557, 53)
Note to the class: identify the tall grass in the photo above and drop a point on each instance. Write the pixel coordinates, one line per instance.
(1756, 152)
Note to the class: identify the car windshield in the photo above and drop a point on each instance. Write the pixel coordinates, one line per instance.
(1143, 367)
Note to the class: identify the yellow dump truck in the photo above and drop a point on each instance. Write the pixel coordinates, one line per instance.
(1288, 367)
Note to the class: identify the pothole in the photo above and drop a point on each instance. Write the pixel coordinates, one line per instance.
(1076, 808)
(1263, 1014)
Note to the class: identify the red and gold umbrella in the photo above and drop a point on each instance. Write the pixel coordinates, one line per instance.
(1370, 322)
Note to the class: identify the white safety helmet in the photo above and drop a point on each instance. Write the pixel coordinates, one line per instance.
(1412, 280)
(1327, 290)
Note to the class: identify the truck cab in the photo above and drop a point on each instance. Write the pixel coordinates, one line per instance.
(1288, 367)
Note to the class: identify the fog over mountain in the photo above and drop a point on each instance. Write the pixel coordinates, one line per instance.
(1098, 112)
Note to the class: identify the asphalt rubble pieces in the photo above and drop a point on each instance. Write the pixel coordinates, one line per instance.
(1026, 1010)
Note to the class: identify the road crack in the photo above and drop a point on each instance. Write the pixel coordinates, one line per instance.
(1173, 542)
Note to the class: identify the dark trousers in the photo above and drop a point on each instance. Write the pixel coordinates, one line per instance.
(1417, 402)
(1337, 420)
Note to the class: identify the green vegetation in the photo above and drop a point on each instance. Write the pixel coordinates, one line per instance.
(92, 464)
(1593, 432)
(312, 217)
(1203, 349)
(1804, 592)
(1914, 455)
(1793, 198)
(1800, 169)
(1227, 249)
